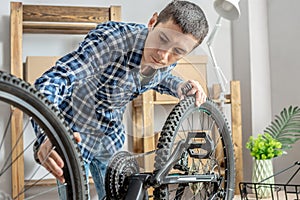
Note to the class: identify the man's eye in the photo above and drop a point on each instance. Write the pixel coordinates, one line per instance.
(163, 38)
(178, 51)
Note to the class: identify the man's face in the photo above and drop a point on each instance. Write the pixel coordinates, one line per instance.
(166, 44)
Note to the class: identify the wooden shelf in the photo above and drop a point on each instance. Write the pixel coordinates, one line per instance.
(66, 19)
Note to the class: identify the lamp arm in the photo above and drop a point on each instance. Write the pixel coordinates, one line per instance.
(214, 31)
(220, 75)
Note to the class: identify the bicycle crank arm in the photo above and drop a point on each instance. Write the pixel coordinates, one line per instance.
(177, 179)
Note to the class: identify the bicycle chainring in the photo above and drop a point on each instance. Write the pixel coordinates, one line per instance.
(121, 166)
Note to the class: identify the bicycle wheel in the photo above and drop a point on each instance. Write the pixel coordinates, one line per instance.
(210, 152)
(17, 97)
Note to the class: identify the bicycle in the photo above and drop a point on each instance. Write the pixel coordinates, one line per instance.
(194, 158)
(17, 95)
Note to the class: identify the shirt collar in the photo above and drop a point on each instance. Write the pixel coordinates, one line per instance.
(136, 54)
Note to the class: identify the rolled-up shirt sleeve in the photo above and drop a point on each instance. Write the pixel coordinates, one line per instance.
(169, 83)
(54, 85)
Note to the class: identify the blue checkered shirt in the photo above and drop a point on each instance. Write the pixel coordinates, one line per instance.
(92, 85)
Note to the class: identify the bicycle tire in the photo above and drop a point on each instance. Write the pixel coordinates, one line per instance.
(17, 93)
(179, 116)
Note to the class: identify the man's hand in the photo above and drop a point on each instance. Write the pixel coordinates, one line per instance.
(196, 90)
(50, 159)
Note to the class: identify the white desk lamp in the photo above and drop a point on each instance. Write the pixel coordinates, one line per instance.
(228, 9)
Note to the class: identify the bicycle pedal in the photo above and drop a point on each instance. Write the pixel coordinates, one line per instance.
(200, 144)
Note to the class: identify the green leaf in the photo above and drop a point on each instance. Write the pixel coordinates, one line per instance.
(286, 127)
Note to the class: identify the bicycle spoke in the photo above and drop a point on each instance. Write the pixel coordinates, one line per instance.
(45, 192)
(40, 166)
(4, 168)
(23, 190)
(5, 131)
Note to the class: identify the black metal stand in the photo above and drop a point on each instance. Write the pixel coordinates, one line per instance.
(248, 190)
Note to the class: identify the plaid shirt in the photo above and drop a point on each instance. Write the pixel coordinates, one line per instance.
(92, 85)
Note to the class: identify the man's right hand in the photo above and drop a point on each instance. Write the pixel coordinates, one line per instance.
(51, 160)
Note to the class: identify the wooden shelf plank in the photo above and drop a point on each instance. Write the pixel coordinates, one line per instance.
(57, 28)
(45, 13)
(46, 182)
(165, 102)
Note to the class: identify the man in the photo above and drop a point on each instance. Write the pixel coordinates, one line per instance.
(114, 64)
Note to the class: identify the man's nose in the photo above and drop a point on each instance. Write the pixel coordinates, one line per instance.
(163, 54)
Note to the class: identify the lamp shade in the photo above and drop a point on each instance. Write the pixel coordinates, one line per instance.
(228, 9)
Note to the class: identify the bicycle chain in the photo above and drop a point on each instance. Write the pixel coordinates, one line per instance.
(122, 165)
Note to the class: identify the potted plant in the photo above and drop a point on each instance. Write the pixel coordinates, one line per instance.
(278, 137)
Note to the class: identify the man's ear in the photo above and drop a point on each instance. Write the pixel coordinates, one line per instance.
(153, 20)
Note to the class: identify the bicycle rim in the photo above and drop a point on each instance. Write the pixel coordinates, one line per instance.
(216, 150)
(17, 97)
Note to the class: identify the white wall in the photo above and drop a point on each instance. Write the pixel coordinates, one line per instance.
(265, 52)
(284, 31)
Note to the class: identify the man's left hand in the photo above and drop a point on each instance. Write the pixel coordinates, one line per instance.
(196, 89)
